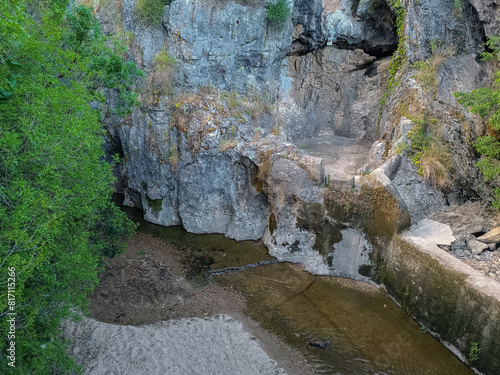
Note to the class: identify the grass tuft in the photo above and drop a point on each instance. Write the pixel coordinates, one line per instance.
(160, 80)
(430, 153)
(427, 70)
(173, 157)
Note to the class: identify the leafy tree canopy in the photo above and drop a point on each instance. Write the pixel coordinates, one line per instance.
(56, 217)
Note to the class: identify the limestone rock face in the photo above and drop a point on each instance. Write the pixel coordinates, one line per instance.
(351, 256)
(433, 232)
(183, 177)
(337, 68)
(442, 23)
(367, 25)
(189, 159)
(488, 15)
(334, 91)
(418, 196)
(288, 187)
(232, 46)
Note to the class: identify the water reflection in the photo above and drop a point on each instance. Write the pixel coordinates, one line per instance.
(367, 333)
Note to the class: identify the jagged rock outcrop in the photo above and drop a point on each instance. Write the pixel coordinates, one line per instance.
(367, 25)
(195, 171)
(491, 237)
(336, 74)
(447, 38)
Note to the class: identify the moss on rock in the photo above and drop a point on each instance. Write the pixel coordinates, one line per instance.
(155, 204)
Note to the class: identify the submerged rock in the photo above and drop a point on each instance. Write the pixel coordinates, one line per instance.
(322, 344)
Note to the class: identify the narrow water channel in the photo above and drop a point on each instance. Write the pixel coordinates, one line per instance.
(364, 331)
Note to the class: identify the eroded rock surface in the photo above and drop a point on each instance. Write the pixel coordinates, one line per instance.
(335, 91)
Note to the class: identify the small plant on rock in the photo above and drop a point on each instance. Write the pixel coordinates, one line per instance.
(160, 80)
(276, 129)
(279, 11)
(173, 157)
(430, 153)
(150, 11)
(256, 135)
(427, 70)
(475, 350)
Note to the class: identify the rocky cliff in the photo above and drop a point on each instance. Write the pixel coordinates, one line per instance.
(230, 98)
(232, 83)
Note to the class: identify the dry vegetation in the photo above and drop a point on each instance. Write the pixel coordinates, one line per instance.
(427, 70)
(173, 157)
(429, 152)
(198, 114)
(151, 137)
(276, 129)
(433, 169)
(257, 134)
(227, 144)
(251, 104)
(160, 80)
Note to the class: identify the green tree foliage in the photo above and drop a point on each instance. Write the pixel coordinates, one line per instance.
(279, 11)
(485, 102)
(56, 217)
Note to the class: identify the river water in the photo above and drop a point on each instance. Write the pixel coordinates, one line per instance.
(364, 331)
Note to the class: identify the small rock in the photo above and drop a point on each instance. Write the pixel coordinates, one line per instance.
(444, 247)
(476, 247)
(459, 244)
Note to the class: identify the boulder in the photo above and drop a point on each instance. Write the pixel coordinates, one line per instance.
(433, 232)
(493, 236)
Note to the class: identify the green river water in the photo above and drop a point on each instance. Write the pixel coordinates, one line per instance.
(366, 331)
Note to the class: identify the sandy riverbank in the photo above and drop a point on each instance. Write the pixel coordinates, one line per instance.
(217, 345)
(146, 319)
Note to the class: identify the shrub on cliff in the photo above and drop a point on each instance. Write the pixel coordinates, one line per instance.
(151, 11)
(485, 102)
(56, 217)
(279, 11)
(161, 79)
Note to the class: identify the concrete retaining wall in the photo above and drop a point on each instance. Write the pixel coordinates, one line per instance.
(446, 296)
